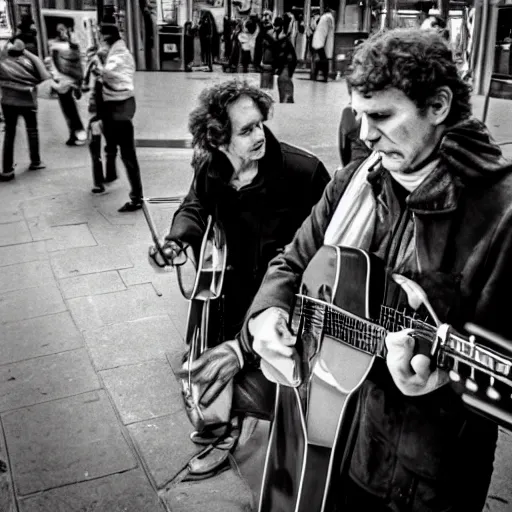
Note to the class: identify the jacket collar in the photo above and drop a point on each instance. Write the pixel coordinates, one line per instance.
(467, 155)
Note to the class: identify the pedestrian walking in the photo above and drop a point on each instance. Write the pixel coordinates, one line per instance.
(20, 73)
(66, 68)
(118, 108)
(323, 44)
(95, 128)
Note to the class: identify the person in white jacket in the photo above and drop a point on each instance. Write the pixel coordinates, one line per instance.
(323, 44)
(118, 108)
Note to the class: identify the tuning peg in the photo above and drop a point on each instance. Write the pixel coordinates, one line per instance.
(454, 376)
(471, 384)
(492, 392)
(499, 343)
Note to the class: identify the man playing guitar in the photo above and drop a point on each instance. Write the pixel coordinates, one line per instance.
(259, 190)
(434, 203)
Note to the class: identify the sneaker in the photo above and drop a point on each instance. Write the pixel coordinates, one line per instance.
(130, 207)
(98, 190)
(36, 166)
(7, 176)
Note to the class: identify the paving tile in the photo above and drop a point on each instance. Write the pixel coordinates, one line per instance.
(12, 214)
(38, 337)
(143, 391)
(126, 492)
(91, 284)
(226, 492)
(29, 303)
(26, 275)
(132, 342)
(114, 235)
(14, 233)
(7, 499)
(136, 302)
(46, 378)
(88, 260)
(499, 498)
(64, 442)
(23, 253)
(165, 445)
(67, 237)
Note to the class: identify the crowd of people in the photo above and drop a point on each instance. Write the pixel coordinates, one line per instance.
(110, 69)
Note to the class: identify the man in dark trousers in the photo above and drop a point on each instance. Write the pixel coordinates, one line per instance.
(260, 190)
(20, 74)
(118, 109)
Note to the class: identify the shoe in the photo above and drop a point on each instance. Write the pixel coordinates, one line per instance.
(71, 142)
(7, 176)
(130, 207)
(98, 190)
(36, 166)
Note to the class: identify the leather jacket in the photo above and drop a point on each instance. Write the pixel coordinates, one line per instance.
(259, 219)
(427, 453)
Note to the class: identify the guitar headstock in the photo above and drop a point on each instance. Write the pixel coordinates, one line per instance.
(480, 370)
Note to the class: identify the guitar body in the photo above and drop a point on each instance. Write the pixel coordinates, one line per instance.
(313, 428)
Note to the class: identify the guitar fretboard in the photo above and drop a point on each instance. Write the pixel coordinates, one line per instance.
(362, 334)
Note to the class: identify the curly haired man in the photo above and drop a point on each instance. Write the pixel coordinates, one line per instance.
(260, 190)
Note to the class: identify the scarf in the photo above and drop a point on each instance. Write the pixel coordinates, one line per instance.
(353, 222)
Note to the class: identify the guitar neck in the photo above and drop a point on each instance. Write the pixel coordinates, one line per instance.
(369, 336)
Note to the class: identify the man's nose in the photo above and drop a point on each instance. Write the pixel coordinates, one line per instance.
(368, 131)
(259, 133)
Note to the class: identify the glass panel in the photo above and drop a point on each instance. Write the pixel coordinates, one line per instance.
(502, 53)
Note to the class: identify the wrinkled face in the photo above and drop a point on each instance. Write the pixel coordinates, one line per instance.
(394, 126)
(247, 136)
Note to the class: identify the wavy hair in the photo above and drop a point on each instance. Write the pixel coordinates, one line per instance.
(417, 62)
(209, 123)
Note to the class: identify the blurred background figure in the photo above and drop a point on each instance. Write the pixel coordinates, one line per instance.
(20, 74)
(247, 38)
(323, 44)
(208, 39)
(350, 146)
(436, 23)
(96, 59)
(26, 32)
(66, 68)
(118, 108)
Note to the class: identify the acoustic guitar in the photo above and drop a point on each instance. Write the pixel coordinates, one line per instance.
(201, 283)
(341, 327)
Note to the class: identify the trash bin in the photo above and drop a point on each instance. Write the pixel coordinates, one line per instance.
(170, 41)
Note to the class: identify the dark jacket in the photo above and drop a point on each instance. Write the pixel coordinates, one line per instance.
(425, 453)
(259, 219)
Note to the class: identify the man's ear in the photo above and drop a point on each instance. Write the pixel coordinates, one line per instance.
(440, 105)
